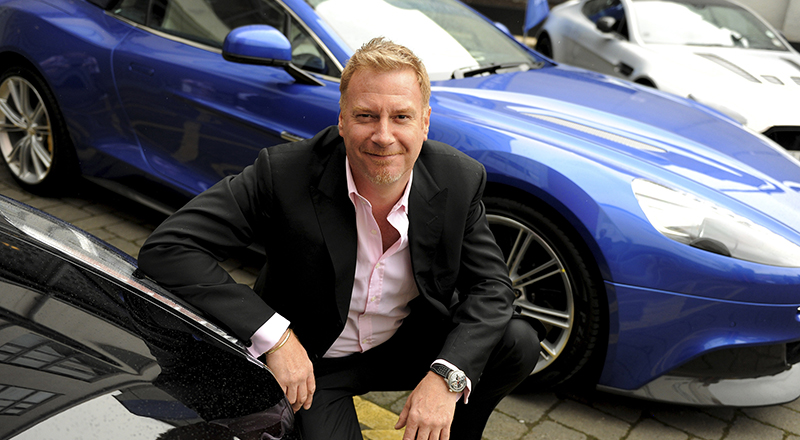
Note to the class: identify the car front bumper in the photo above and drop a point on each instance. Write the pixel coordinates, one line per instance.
(699, 351)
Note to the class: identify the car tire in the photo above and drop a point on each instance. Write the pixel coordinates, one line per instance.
(554, 285)
(544, 45)
(34, 141)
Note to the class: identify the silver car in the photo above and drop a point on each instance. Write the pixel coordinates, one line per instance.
(716, 52)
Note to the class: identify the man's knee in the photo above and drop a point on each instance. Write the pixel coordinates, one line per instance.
(332, 416)
(521, 342)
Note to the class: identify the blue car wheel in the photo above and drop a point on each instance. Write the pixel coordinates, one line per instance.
(33, 140)
(554, 285)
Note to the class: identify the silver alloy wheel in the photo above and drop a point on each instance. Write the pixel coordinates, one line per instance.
(26, 136)
(557, 316)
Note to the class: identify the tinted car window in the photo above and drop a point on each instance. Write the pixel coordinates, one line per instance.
(135, 10)
(209, 22)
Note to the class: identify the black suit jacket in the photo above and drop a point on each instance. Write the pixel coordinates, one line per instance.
(294, 201)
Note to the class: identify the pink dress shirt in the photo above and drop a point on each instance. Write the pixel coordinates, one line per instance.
(384, 282)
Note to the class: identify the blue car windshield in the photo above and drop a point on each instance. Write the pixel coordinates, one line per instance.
(702, 23)
(445, 34)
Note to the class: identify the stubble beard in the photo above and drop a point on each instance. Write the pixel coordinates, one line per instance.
(384, 176)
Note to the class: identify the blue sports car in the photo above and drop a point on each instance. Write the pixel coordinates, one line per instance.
(657, 240)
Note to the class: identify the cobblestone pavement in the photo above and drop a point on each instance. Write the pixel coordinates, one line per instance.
(545, 415)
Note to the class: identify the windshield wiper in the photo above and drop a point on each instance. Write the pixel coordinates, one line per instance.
(467, 72)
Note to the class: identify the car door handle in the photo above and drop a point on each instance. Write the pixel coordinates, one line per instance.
(142, 69)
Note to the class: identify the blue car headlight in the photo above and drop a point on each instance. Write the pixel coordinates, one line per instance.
(690, 220)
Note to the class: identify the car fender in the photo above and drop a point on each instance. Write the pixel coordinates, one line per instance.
(78, 66)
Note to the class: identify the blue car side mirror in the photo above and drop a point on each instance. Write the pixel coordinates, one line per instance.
(263, 45)
(257, 44)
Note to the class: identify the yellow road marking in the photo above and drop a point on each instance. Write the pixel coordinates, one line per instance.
(378, 422)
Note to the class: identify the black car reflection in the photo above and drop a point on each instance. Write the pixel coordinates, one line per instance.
(88, 350)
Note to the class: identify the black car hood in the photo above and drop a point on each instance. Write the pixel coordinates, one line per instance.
(85, 355)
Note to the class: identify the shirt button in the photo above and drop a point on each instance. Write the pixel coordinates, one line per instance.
(374, 232)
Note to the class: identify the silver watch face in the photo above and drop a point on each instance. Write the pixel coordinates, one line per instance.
(456, 381)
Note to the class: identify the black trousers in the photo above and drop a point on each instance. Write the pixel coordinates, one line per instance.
(400, 364)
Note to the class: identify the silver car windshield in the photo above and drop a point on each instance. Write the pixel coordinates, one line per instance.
(702, 23)
(447, 36)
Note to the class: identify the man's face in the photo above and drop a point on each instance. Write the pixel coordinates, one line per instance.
(383, 126)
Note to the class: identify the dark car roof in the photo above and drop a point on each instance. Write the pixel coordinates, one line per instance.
(84, 354)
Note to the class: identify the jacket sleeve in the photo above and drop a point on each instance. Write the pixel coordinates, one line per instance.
(184, 252)
(485, 298)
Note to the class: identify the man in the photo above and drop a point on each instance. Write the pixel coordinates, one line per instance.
(381, 271)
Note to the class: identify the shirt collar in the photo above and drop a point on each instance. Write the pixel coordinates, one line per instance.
(353, 191)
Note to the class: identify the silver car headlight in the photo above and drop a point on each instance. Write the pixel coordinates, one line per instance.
(690, 220)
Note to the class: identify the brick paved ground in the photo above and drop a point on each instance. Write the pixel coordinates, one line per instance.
(545, 415)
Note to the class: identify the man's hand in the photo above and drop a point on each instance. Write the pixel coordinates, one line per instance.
(429, 410)
(294, 371)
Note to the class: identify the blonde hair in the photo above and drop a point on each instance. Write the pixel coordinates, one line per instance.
(383, 55)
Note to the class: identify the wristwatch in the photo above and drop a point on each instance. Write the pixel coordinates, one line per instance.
(456, 380)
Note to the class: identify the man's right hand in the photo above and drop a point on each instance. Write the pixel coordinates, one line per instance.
(294, 371)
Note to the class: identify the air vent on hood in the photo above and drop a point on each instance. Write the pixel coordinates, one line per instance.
(600, 133)
(796, 79)
(772, 79)
(730, 66)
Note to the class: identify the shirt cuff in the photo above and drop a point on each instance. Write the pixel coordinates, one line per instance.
(268, 335)
(468, 389)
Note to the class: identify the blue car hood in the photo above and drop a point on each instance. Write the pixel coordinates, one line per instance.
(671, 140)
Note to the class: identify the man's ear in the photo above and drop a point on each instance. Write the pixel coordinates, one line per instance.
(427, 122)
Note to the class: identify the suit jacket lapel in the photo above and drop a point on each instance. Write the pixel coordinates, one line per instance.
(337, 221)
(427, 204)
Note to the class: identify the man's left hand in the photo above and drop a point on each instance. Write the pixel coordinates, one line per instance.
(429, 410)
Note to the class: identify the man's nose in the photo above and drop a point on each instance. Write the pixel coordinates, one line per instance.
(382, 135)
